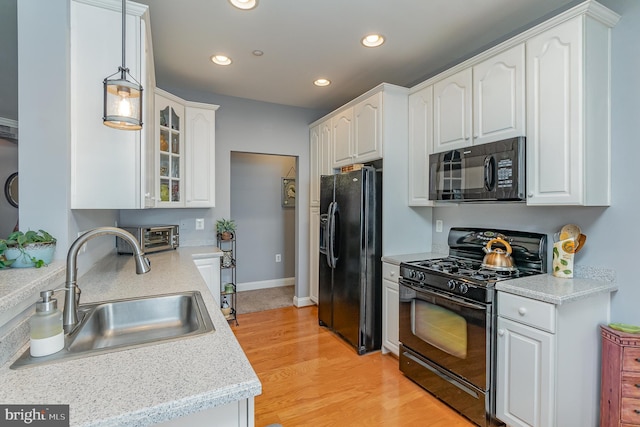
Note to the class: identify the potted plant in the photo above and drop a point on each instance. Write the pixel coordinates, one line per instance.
(225, 228)
(30, 249)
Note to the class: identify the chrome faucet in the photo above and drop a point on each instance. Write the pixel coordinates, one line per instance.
(72, 298)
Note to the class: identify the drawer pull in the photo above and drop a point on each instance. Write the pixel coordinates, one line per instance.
(638, 359)
(637, 411)
(637, 385)
(522, 311)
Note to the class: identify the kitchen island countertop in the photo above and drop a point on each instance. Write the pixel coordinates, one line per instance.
(145, 385)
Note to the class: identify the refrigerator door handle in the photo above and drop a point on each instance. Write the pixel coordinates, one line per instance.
(331, 238)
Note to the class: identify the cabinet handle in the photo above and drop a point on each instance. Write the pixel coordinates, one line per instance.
(638, 359)
(530, 195)
(637, 411)
(501, 332)
(637, 385)
(522, 311)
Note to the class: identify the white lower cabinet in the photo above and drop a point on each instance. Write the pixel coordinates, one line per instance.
(240, 413)
(209, 269)
(390, 308)
(526, 374)
(548, 361)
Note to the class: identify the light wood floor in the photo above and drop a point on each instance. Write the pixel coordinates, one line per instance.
(310, 377)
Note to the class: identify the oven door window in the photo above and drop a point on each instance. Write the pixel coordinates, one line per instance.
(451, 333)
(441, 327)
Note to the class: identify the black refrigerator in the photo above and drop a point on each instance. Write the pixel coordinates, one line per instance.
(350, 277)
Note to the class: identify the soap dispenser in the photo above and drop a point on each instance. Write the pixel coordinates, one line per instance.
(47, 336)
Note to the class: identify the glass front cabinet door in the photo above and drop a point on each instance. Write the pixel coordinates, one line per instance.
(170, 149)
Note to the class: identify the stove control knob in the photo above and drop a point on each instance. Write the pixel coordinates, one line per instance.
(463, 288)
(412, 274)
(421, 276)
(451, 284)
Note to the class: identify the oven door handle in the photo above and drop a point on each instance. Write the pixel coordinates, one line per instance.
(459, 301)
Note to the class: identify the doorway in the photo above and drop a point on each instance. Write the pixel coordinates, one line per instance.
(263, 205)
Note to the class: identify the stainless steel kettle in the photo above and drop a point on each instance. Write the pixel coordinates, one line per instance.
(498, 259)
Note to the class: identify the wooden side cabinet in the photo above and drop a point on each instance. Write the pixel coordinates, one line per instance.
(620, 386)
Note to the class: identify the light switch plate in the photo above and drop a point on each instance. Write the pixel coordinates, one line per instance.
(199, 223)
(439, 225)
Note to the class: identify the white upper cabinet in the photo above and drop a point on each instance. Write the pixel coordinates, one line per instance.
(356, 135)
(420, 145)
(108, 166)
(185, 152)
(342, 138)
(568, 115)
(314, 166)
(170, 151)
(367, 117)
(200, 160)
(498, 97)
(319, 158)
(452, 98)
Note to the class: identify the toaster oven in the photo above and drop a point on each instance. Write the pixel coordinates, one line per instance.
(152, 238)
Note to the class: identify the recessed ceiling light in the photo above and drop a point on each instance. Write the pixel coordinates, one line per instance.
(257, 52)
(322, 82)
(244, 4)
(221, 59)
(372, 40)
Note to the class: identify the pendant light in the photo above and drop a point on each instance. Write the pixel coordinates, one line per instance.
(122, 97)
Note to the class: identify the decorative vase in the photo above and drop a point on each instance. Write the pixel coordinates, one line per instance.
(227, 259)
(26, 257)
(226, 235)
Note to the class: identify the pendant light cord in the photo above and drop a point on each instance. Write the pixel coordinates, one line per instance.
(124, 37)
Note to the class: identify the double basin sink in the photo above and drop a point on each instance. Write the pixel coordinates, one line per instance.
(129, 323)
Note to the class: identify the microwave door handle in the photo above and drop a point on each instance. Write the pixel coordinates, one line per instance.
(489, 173)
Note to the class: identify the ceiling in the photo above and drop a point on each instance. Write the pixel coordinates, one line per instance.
(303, 40)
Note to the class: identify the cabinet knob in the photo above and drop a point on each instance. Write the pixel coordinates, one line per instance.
(501, 332)
(522, 311)
(530, 195)
(393, 273)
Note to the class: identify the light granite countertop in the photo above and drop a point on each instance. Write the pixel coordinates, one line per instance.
(554, 290)
(146, 385)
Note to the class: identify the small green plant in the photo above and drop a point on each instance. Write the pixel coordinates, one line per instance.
(225, 225)
(225, 228)
(20, 241)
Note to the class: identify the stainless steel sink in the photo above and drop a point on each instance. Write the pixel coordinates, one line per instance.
(123, 324)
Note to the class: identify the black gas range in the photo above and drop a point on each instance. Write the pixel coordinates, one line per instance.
(447, 317)
(461, 273)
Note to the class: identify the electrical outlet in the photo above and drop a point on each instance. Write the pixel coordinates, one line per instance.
(278, 258)
(439, 226)
(199, 223)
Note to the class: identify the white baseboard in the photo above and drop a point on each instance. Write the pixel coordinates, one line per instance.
(302, 302)
(264, 284)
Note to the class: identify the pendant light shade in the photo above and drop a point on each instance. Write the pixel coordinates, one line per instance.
(122, 97)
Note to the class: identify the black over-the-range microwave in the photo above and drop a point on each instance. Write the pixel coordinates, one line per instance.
(481, 173)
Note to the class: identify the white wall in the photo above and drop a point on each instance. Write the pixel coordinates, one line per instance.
(8, 165)
(612, 232)
(45, 130)
(248, 126)
(265, 227)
